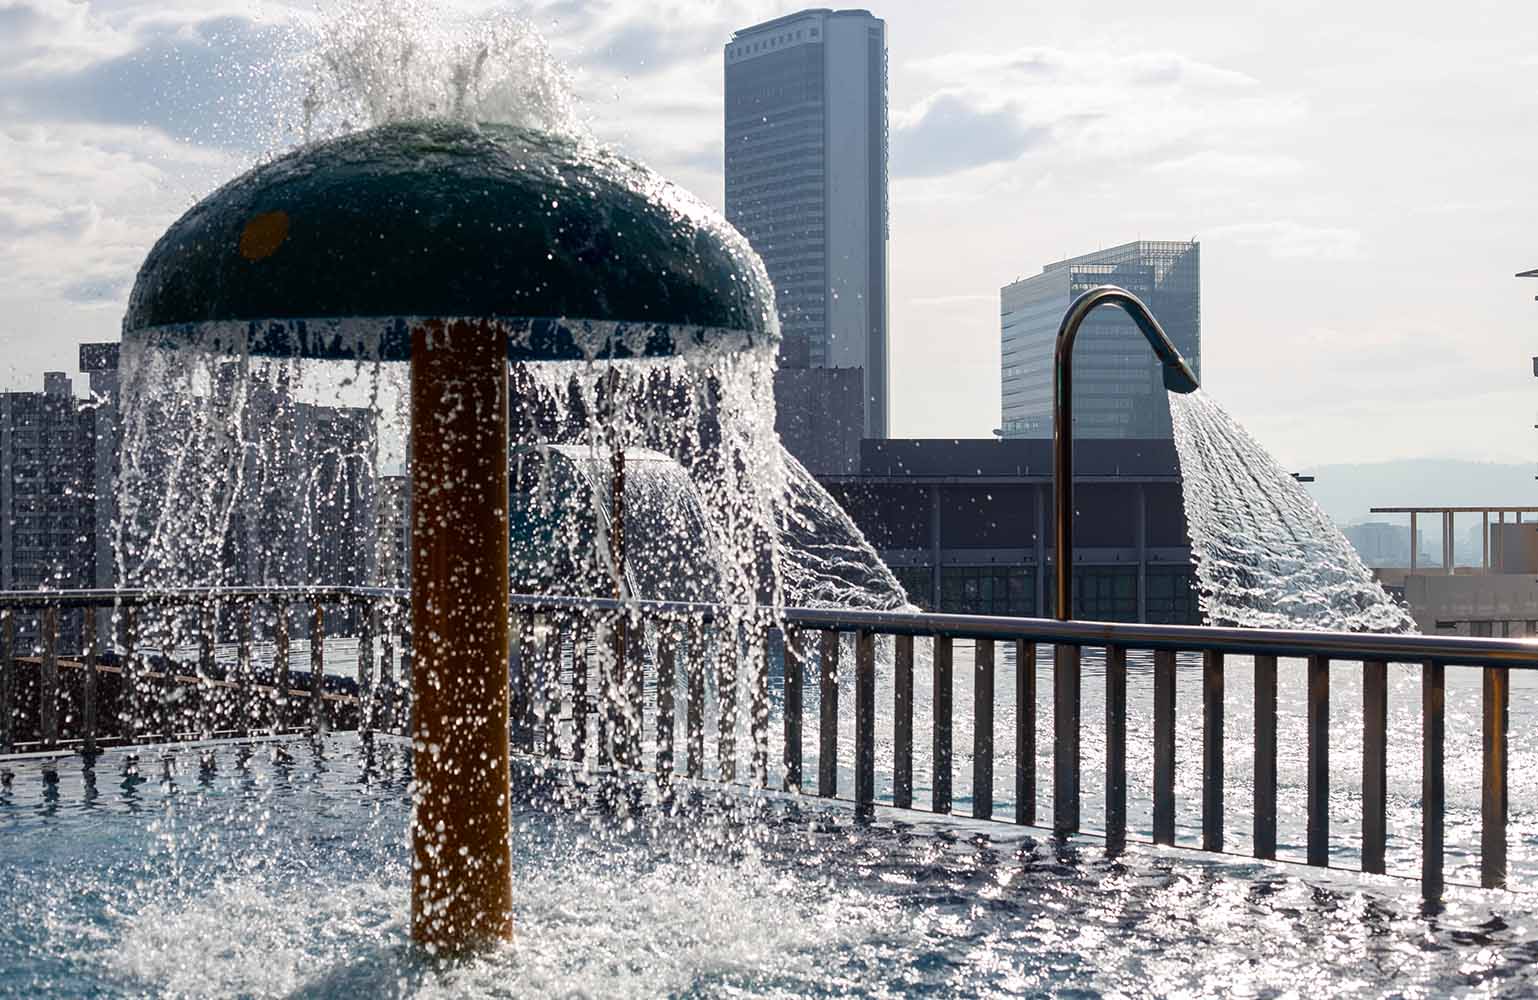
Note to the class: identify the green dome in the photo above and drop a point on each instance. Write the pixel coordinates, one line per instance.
(441, 220)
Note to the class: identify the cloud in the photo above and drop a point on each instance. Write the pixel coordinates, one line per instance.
(222, 80)
(1286, 239)
(944, 301)
(1087, 105)
(1246, 166)
(644, 46)
(952, 131)
(97, 290)
(42, 35)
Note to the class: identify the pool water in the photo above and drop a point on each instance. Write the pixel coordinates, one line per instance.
(281, 871)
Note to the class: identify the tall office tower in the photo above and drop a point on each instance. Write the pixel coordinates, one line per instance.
(47, 506)
(1117, 388)
(806, 183)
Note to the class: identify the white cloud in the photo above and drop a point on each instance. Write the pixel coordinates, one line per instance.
(1084, 104)
(1288, 239)
(1243, 166)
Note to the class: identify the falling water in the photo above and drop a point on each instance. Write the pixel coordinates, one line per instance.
(1266, 555)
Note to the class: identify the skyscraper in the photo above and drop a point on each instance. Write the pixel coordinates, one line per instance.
(806, 183)
(1117, 386)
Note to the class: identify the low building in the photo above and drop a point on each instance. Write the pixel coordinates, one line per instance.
(1495, 596)
(967, 526)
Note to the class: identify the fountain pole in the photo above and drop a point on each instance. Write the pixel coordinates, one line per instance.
(1178, 377)
(461, 885)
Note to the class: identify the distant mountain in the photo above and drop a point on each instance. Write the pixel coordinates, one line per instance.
(1348, 492)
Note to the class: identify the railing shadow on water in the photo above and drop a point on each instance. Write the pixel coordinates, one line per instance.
(588, 672)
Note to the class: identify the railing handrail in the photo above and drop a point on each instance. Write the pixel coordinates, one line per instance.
(1452, 650)
(136, 597)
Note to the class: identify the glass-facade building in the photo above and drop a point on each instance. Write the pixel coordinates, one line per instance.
(806, 183)
(1118, 389)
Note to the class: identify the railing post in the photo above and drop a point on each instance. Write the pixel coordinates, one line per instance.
(944, 695)
(1492, 857)
(865, 722)
(128, 699)
(367, 624)
(635, 688)
(696, 707)
(7, 681)
(524, 643)
(1164, 748)
(579, 692)
(667, 667)
(89, 682)
(48, 680)
(240, 677)
(1065, 739)
(902, 722)
(611, 740)
(1433, 728)
(726, 699)
(1025, 732)
(795, 664)
(827, 747)
(282, 667)
(1115, 748)
(1265, 757)
(1212, 751)
(758, 725)
(317, 669)
(208, 701)
(389, 694)
(1319, 761)
(548, 712)
(1374, 765)
(982, 730)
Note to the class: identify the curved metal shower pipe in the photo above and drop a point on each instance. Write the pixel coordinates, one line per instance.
(1178, 377)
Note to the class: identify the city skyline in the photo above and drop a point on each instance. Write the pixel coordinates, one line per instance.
(1319, 156)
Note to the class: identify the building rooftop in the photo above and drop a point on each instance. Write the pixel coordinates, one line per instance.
(1013, 459)
(798, 15)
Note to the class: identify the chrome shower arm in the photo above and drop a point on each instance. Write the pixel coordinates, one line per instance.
(1178, 377)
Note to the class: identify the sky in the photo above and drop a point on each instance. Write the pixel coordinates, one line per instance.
(1360, 174)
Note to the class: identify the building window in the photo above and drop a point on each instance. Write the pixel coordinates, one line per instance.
(918, 584)
(1172, 596)
(1101, 593)
(988, 590)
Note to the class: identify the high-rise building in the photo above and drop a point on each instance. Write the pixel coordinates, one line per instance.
(806, 183)
(100, 363)
(47, 488)
(1117, 385)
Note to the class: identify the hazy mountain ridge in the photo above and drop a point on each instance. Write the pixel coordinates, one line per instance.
(1347, 492)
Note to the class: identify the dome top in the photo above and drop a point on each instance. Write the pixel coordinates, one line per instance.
(446, 220)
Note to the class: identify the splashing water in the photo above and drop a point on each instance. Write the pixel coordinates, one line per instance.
(1266, 555)
(384, 61)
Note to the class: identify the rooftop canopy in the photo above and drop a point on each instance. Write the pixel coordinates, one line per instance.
(582, 252)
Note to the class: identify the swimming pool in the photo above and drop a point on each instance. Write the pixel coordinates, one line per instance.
(282, 870)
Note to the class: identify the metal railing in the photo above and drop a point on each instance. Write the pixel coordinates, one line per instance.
(90, 669)
(561, 642)
(551, 628)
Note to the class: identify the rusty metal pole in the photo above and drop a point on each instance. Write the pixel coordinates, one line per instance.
(461, 886)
